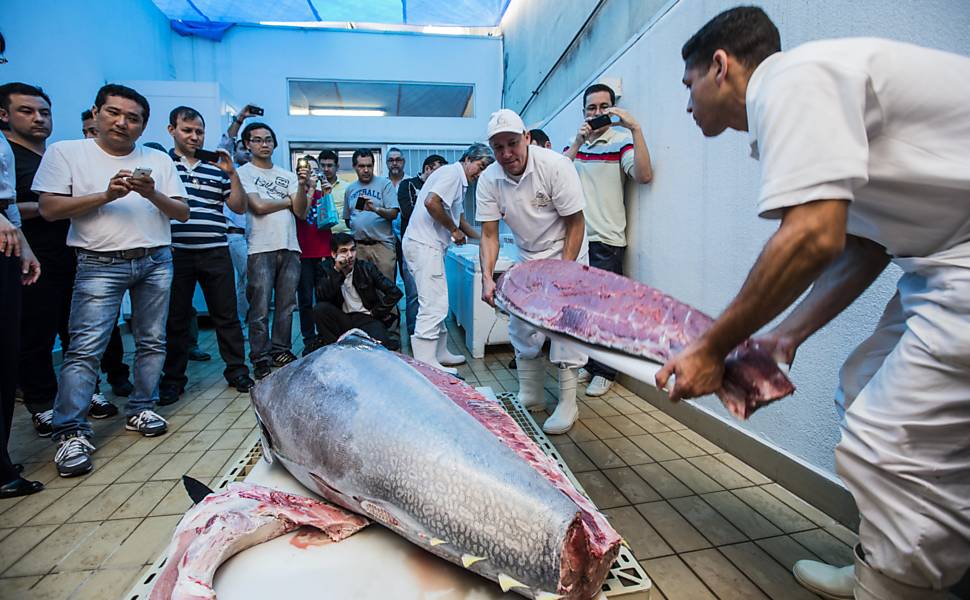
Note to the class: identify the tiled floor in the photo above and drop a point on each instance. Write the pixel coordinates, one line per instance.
(702, 523)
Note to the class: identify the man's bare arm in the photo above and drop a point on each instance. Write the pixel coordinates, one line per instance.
(487, 256)
(469, 230)
(575, 229)
(259, 206)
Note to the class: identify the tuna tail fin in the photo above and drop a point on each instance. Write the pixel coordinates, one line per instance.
(196, 489)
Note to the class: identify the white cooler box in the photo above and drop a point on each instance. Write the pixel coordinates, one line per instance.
(482, 323)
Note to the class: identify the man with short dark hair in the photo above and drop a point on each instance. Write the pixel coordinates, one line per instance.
(864, 145)
(200, 255)
(276, 199)
(407, 194)
(369, 209)
(353, 293)
(89, 129)
(605, 159)
(119, 197)
(539, 138)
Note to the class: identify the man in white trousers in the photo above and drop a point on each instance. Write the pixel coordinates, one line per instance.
(864, 147)
(438, 221)
(537, 193)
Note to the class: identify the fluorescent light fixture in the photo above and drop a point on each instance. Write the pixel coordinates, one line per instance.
(346, 112)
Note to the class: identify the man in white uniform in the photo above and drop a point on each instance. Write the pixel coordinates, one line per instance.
(537, 193)
(437, 221)
(865, 147)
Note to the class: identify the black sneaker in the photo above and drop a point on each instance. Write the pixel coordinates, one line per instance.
(311, 344)
(148, 423)
(73, 456)
(283, 358)
(242, 383)
(168, 394)
(122, 388)
(198, 355)
(101, 408)
(261, 370)
(43, 423)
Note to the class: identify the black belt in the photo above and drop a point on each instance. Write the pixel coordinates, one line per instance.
(130, 254)
(239, 230)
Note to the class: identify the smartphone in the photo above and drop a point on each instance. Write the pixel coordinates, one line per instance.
(361, 202)
(302, 163)
(255, 110)
(207, 155)
(142, 172)
(600, 122)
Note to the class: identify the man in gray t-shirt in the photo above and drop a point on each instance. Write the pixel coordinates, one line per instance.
(370, 205)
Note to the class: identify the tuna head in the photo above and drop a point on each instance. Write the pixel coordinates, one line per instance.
(364, 429)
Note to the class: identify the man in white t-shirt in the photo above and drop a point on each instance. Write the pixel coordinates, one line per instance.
(537, 193)
(119, 197)
(276, 199)
(864, 147)
(438, 221)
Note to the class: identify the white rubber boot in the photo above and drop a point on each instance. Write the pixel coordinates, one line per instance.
(424, 350)
(834, 583)
(444, 356)
(564, 416)
(532, 373)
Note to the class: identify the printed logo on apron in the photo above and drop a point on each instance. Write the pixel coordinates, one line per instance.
(541, 200)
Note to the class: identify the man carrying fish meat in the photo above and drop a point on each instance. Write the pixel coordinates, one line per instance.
(864, 146)
(438, 221)
(537, 192)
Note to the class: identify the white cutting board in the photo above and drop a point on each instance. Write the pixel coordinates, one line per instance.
(372, 564)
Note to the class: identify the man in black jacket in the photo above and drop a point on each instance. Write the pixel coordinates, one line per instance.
(353, 294)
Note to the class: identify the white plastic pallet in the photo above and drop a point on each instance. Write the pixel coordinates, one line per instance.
(626, 581)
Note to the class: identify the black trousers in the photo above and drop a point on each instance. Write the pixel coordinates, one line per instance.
(333, 322)
(44, 316)
(304, 297)
(212, 270)
(608, 258)
(10, 305)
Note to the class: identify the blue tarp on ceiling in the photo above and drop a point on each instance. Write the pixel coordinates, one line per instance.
(458, 13)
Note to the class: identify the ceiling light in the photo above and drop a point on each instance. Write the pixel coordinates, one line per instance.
(346, 112)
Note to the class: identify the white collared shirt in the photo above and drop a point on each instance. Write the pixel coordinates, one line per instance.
(881, 123)
(534, 206)
(448, 183)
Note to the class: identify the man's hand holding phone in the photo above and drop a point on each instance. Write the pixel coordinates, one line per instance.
(141, 182)
(118, 185)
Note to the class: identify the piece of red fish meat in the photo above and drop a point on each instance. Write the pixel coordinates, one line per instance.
(616, 312)
(226, 523)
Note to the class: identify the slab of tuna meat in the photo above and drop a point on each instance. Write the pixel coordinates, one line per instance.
(226, 523)
(609, 310)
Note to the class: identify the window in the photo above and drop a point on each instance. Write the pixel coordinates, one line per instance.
(320, 97)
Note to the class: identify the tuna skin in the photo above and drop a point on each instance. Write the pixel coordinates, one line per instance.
(365, 430)
(609, 310)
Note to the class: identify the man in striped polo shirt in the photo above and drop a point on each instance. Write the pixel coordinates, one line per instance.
(200, 253)
(605, 157)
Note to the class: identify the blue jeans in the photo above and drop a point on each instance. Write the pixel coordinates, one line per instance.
(410, 290)
(238, 251)
(609, 258)
(100, 284)
(276, 271)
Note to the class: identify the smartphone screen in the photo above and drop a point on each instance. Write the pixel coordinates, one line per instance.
(361, 202)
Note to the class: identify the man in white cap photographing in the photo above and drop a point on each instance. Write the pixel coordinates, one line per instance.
(538, 194)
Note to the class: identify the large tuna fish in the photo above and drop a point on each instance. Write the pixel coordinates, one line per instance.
(605, 309)
(431, 459)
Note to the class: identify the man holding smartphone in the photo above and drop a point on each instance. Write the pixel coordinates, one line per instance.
(369, 208)
(605, 158)
(120, 228)
(201, 256)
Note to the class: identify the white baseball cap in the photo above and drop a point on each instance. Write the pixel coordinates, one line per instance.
(505, 120)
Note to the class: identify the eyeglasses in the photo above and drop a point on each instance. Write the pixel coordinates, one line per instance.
(261, 141)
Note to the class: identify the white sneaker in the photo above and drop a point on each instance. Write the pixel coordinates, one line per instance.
(584, 375)
(834, 583)
(598, 386)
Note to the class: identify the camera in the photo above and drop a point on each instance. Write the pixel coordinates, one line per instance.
(255, 110)
(599, 122)
(207, 155)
